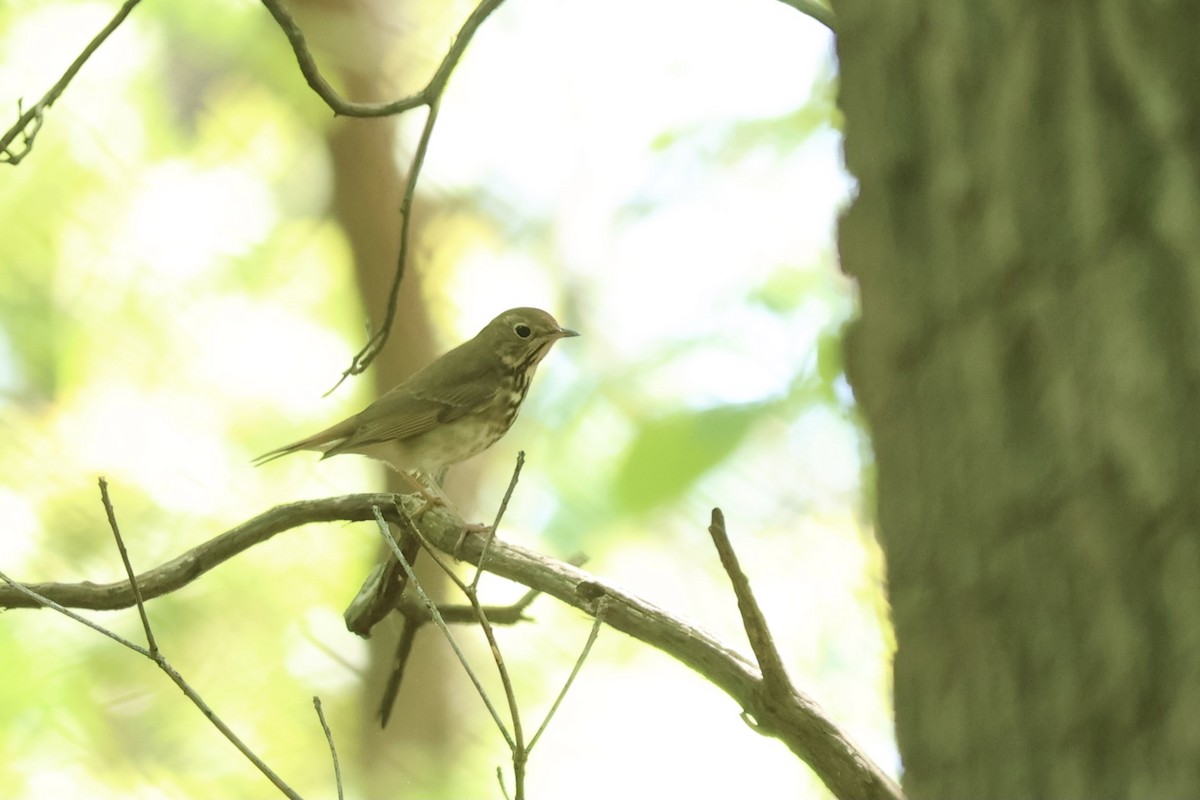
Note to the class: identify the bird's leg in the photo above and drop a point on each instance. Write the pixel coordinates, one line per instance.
(467, 529)
(430, 492)
(433, 495)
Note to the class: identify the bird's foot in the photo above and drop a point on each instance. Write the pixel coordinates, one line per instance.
(431, 495)
(429, 501)
(467, 529)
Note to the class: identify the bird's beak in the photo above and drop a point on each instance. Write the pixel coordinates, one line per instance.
(566, 333)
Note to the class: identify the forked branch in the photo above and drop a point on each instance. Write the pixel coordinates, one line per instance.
(797, 721)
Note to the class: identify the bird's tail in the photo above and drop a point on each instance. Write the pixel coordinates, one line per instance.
(320, 442)
(296, 447)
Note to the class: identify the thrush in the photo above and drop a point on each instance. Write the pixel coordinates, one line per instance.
(454, 408)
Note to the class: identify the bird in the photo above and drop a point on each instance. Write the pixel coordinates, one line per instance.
(454, 408)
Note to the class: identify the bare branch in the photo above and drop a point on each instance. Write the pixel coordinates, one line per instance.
(491, 534)
(39, 601)
(430, 96)
(182, 570)
(31, 598)
(800, 723)
(455, 614)
(516, 744)
(776, 692)
(371, 349)
(587, 648)
(30, 122)
(337, 768)
(342, 107)
(761, 642)
(437, 617)
(417, 615)
(133, 584)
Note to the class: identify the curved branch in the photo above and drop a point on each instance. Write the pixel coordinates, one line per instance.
(795, 719)
(430, 96)
(339, 105)
(183, 569)
(363, 358)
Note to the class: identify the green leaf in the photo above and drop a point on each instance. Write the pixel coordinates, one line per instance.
(671, 453)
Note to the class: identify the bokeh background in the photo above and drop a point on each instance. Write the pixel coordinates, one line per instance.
(177, 293)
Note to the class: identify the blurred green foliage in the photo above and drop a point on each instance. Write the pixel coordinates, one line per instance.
(669, 454)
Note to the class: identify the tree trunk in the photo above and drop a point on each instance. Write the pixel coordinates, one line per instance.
(355, 37)
(1027, 246)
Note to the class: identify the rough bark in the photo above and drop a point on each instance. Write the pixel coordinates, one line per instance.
(1027, 246)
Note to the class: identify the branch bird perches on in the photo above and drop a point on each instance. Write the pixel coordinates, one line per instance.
(778, 710)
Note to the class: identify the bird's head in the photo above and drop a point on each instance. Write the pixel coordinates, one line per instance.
(521, 337)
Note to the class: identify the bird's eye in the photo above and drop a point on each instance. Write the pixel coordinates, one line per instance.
(522, 330)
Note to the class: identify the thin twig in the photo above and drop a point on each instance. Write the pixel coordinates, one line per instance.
(375, 343)
(175, 677)
(520, 753)
(437, 619)
(430, 96)
(753, 620)
(487, 542)
(587, 648)
(454, 614)
(410, 528)
(30, 121)
(158, 658)
(133, 584)
(225, 730)
(416, 615)
(36, 599)
(337, 768)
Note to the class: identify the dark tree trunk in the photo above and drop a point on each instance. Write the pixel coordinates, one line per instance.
(1027, 246)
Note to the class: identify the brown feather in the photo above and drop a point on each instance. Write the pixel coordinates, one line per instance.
(320, 441)
(465, 381)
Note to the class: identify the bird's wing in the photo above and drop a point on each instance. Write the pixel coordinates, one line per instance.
(439, 394)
